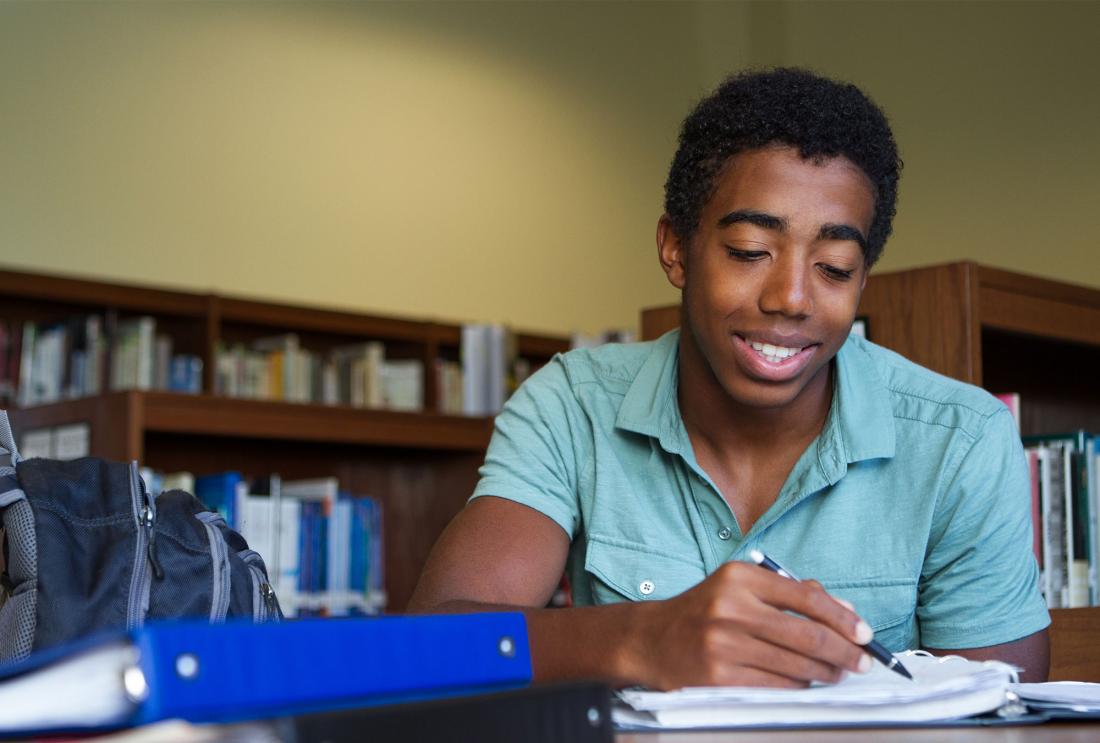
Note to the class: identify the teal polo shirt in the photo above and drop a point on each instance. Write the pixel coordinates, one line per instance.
(913, 503)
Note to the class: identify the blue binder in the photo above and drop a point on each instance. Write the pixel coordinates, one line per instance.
(219, 673)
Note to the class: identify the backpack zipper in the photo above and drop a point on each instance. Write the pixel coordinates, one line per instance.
(145, 514)
(221, 571)
(271, 603)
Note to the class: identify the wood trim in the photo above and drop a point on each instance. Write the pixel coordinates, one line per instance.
(656, 321)
(1035, 286)
(286, 317)
(973, 322)
(114, 421)
(209, 415)
(1075, 644)
(1040, 315)
(540, 346)
(96, 293)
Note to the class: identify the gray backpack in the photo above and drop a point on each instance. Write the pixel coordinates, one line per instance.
(86, 549)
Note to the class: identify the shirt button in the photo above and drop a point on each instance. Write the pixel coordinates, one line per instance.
(646, 587)
(725, 533)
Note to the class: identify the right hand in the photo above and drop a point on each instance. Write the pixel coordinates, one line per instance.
(733, 629)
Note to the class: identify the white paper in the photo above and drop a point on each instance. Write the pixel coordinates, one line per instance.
(942, 689)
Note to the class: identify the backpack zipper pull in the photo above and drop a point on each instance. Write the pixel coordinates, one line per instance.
(268, 594)
(147, 518)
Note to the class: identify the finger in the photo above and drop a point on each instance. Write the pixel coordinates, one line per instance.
(780, 660)
(748, 676)
(806, 638)
(810, 600)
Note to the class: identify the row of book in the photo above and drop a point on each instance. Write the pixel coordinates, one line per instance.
(322, 547)
(46, 362)
(357, 375)
(1065, 510)
(361, 375)
(87, 354)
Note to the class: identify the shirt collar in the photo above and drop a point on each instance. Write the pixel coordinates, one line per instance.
(860, 424)
(863, 405)
(650, 406)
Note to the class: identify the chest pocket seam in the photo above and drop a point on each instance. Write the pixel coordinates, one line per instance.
(871, 585)
(624, 567)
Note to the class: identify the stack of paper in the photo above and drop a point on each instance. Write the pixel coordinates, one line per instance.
(1066, 696)
(942, 689)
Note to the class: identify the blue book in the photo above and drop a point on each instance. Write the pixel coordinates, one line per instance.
(218, 492)
(200, 672)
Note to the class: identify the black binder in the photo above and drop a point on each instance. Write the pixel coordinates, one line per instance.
(578, 713)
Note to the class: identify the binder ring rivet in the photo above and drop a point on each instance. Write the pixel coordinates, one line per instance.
(133, 681)
(593, 717)
(507, 647)
(187, 666)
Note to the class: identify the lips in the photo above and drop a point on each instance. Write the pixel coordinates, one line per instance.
(773, 357)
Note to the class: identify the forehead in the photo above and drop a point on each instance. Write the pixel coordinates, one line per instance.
(779, 181)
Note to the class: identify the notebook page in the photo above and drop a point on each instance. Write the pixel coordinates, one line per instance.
(943, 688)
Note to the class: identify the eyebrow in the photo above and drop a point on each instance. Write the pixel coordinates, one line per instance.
(842, 232)
(779, 224)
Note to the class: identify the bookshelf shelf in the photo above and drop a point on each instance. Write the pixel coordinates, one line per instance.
(422, 466)
(210, 415)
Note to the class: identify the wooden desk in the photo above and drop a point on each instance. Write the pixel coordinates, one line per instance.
(1056, 732)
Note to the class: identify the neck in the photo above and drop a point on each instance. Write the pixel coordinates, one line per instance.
(726, 425)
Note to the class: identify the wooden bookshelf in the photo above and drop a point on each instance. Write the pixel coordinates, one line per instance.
(421, 465)
(1007, 332)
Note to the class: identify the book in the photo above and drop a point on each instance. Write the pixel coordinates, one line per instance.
(200, 672)
(218, 492)
(1011, 400)
(1082, 507)
(1079, 697)
(944, 688)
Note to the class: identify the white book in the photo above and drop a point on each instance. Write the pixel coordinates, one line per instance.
(945, 688)
(1053, 578)
(473, 352)
(403, 385)
(179, 481)
(146, 352)
(72, 441)
(37, 443)
(162, 353)
(497, 363)
(26, 365)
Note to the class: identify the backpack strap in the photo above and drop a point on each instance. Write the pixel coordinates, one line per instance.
(7, 444)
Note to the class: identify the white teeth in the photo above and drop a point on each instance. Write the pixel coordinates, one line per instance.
(774, 353)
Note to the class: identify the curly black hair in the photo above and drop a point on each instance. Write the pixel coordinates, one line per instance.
(821, 117)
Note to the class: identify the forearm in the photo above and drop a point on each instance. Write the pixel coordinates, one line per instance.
(593, 643)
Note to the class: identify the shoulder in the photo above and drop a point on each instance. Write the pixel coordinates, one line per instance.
(925, 398)
(609, 369)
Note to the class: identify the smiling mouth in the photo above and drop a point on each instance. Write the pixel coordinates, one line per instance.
(772, 353)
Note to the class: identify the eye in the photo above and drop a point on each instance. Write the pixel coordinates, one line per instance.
(838, 274)
(746, 255)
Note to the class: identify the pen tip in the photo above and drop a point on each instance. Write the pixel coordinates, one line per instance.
(757, 556)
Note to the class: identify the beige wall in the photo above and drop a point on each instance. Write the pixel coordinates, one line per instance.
(996, 109)
(477, 161)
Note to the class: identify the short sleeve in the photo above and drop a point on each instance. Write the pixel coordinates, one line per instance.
(980, 581)
(532, 456)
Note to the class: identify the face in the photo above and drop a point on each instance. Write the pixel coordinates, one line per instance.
(772, 276)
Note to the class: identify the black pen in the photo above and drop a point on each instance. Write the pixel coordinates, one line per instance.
(873, 648)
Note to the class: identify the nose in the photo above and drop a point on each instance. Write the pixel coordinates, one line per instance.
(786, 290)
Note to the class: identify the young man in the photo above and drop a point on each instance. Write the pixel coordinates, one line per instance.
(650, 471)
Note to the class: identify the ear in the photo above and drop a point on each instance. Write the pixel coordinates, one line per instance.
(672, 252)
